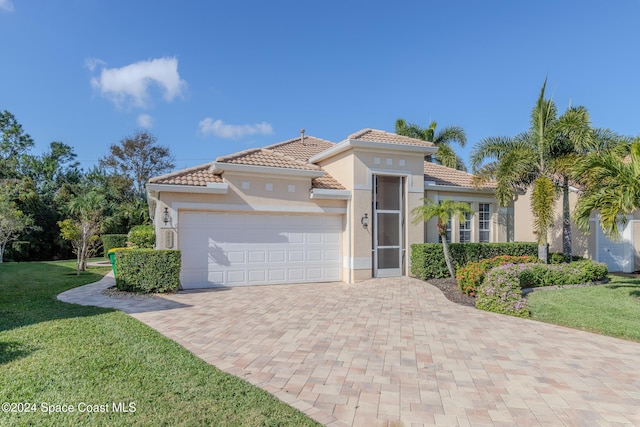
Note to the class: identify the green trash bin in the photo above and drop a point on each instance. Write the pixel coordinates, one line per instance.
(112, 258)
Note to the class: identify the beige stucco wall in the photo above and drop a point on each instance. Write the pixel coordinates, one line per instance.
(254, 199)
(583, 244)
(354, 169)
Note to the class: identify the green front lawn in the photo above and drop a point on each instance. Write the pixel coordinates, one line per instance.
(54, 354)
(612, 309)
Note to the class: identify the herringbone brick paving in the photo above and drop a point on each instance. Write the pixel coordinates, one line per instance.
(396, 352)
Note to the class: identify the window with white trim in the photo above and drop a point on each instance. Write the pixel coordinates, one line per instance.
(465, 228)
(448, 235)
(484, 222)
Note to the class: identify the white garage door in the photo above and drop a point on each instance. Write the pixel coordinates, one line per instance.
(618, 255)
(234, 249)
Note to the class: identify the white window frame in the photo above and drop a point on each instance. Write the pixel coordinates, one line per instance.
(465, 232)
(484, 219)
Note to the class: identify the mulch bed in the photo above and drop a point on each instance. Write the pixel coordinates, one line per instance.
(449, 288)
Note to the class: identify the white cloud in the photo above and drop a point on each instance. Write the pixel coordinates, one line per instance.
(130, 84)
(93, 63)
(145, 121)
(6, 5)
(221, 129)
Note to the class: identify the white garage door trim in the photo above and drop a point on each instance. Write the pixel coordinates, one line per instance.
(236, 249)
(619, 256)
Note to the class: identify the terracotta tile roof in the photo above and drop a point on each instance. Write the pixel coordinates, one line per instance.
(326, 181)
(443, 175)
(268, 158)
(197, 176)
(374, 135)
(300, 150)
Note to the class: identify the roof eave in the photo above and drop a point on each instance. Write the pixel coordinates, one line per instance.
(330, 194)
(219, 167)
(456, 188)
(211, 188)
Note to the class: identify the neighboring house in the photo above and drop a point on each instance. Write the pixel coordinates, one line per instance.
(309, 210)
(620, 256)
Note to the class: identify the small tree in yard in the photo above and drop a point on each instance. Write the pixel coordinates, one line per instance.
(445, 210)
(12, 222)
(83, 228)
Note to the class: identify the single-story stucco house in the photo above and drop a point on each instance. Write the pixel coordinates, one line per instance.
(310, 210)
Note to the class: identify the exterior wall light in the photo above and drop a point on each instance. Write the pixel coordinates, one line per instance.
(165, 216)
(365, 221)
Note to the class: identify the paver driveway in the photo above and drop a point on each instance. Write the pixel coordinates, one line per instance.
(397, 352)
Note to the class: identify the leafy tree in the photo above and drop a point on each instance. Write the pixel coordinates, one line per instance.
(443, 211)
(612, 187)
(82, 228)
(12, 222)
(14, 145)
(138, 158)
(442, 139)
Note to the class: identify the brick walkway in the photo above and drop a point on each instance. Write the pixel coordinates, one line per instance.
(396, 352)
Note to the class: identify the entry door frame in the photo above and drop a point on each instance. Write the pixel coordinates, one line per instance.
(380, 246)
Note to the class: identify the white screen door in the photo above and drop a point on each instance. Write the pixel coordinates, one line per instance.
(388, 252)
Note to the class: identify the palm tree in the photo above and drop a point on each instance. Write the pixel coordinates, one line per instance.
(444, 211)
(574, 137)
(612, 187)
(523, 161)
(442, 139)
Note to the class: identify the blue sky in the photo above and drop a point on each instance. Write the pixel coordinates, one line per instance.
(212, 78)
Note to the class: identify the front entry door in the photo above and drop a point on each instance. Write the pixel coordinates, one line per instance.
(388, 245)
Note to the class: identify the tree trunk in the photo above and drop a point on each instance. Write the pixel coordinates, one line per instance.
(2, 246)
(543, 252)
(566, 219)
(447, 256)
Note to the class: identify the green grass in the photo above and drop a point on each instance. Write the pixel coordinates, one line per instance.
(612, 309)
(54, 353)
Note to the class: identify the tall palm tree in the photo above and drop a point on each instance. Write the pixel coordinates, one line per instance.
(612, 187)
(441, 139)
(574, 137)
(523, 161)
(444, 211)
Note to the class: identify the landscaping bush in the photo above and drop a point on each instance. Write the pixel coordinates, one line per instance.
(575, 273)
(471, 275)
(427, 259)
(500, 292)
(142, 236)
(112, 241)
(148, 270)
(560, 258)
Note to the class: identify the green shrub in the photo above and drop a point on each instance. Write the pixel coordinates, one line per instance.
(148, 270)
(575, 273)
(500, 292)
(142, 236)
(112, 241)
(427, 259)
(560, 258)
(471, 275)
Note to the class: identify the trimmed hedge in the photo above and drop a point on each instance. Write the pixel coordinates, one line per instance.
(110, 241)
(472, 274)
(501, 290)
(142, 236)
(427, 259)
(575, 273)
(148, 271)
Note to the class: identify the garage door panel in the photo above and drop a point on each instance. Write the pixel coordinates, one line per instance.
(237, 249)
